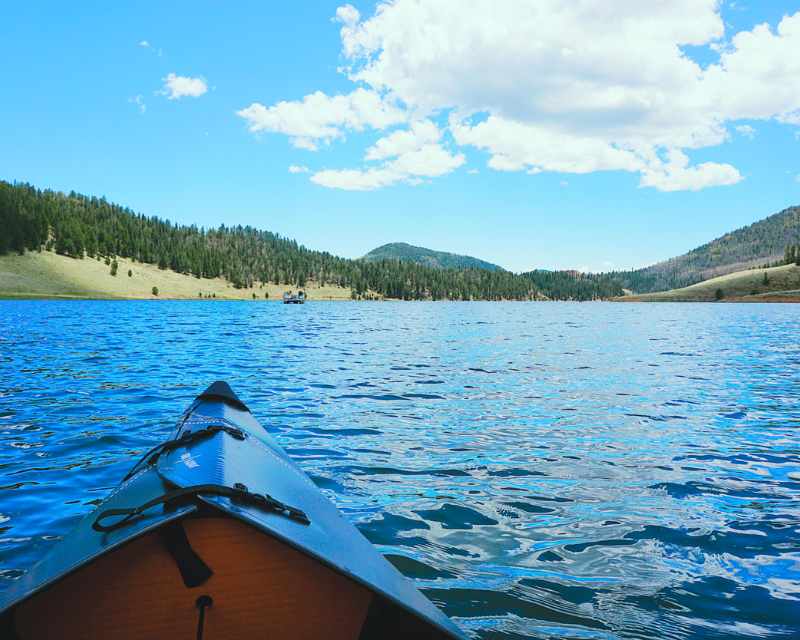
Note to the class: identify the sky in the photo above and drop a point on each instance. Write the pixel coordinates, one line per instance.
(534, 134)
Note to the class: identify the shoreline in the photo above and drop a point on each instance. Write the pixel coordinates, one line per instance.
(745, 300)
(773, 284)
(48, 276)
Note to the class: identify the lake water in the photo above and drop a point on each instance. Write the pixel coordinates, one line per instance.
(539, 470)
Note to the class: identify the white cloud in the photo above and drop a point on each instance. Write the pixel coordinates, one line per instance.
(570, 86)
(798, 177)
(179, 86)
(404, 141)
(564, 184)
(676, 175)
(347, 14)
(472, 171)
(430, 160)
(146, 44)
(746, 130)
(355, 179)
(296, 169)
(320, 118)
(138, 100)
(515, 146)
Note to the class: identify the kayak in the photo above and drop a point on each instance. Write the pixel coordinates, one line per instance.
(217, 533)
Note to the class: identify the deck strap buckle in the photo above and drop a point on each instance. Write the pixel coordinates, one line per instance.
(238, 492)
(186, 438)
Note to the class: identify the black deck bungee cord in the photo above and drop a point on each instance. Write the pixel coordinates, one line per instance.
(238, 491)
(186, 438)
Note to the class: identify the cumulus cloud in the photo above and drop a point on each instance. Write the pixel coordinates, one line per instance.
(417, 154)
(746, 130)
(515, 146)
(430, 160)
(179, 86)
(319, 118)
(347, 14)
(144, 43)
(401, 142)
(296, 169)
(555, 85)
(676, 175)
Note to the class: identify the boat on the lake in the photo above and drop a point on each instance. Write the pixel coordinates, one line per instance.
(217, 533)
(294, 298)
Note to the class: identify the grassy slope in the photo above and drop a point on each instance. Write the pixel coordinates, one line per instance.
(784, 286)
(47, 275)
(760, 243)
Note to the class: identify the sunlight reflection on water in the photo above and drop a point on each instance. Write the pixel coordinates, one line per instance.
(539, 470)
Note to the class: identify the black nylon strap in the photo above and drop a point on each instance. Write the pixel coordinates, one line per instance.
(240, 492)
(186, 438)
(191, 566)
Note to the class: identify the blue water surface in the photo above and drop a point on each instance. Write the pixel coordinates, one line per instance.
(539, 470)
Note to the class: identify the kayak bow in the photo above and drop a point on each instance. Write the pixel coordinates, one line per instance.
(217, 533)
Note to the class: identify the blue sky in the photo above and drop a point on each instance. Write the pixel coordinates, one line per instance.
(532, 134)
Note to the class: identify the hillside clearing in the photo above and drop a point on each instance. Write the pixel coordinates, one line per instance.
(783, 285)
(48, 275)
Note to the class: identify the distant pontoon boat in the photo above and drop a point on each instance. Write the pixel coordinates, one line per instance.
(291, 298)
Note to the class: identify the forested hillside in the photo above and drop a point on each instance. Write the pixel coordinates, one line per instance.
(87, 227)
(756, 245)
(427, 257)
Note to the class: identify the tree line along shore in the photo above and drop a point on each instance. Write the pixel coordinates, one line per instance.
(248, 260)
(768, 243)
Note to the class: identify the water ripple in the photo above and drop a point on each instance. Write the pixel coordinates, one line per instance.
(538, 470)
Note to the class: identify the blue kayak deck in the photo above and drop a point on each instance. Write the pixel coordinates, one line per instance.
(217, 442)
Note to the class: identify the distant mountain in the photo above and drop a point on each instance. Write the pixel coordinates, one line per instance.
(427, 257)
(761, 243)
(84, 227)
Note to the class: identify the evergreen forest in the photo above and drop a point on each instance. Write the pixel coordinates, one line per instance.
(428, 257)
(766, 243)
(82, 227)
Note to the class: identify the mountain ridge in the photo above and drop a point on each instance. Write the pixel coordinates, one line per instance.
(427, 257)
(755, 245)
(247, 258)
